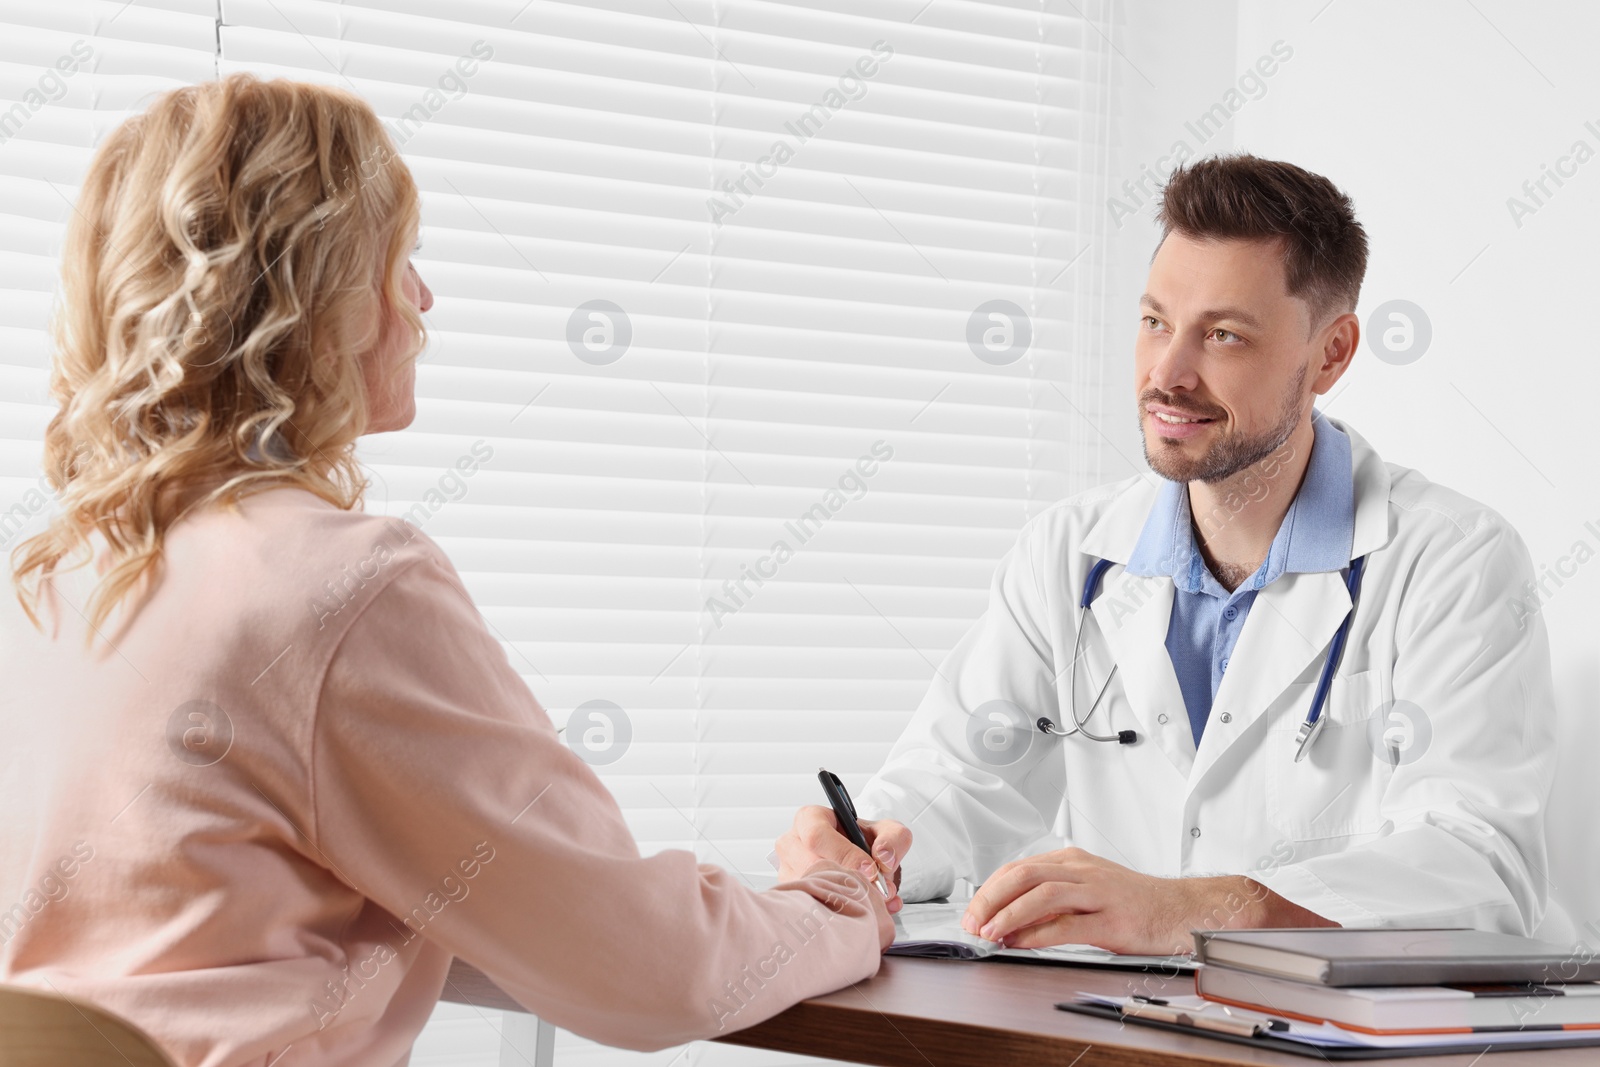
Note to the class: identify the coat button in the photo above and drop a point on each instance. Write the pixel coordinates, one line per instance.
(1194, 831)
(1227, 717)
(1162, 718)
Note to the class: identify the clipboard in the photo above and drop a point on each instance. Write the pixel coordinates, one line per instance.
(1321, 1052)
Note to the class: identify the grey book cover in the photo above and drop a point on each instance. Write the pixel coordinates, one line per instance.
(1351, 957)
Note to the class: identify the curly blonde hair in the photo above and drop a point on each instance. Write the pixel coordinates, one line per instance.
(232, 259)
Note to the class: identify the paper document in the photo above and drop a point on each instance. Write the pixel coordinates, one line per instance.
(934, 931)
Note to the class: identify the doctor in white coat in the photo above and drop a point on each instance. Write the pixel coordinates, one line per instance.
(1419, 799)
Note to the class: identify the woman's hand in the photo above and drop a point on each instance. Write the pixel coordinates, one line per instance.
(815, 836)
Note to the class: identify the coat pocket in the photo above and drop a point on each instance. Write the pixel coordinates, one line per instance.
(1336, 790)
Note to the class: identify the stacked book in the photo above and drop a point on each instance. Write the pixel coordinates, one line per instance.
(1412, 983)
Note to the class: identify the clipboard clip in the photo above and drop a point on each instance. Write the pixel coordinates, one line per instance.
(1223, 1021)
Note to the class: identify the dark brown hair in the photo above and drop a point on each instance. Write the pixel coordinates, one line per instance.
(1245, 197)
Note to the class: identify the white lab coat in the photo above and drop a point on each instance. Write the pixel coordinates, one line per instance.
(1451, 834)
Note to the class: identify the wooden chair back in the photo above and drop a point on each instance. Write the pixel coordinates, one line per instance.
(41, 1029)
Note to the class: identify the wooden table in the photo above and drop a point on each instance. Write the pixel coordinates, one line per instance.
(947, 1013)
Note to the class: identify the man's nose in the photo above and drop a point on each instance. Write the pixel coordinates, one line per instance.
(1177, 366)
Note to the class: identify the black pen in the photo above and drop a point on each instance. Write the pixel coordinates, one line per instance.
(844, 810)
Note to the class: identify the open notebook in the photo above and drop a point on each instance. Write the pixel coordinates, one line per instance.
(933, 931)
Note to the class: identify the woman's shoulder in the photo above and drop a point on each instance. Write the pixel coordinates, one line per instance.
(290, 539)
(299, 516)
(290, 510)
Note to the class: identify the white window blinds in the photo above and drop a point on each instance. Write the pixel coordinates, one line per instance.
(760, 330)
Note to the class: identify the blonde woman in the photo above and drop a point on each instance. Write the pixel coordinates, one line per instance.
(282, 771)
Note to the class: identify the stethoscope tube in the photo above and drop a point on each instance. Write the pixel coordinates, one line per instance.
(1091, 586)
(1309, 729)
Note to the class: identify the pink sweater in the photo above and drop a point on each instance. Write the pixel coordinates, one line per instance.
(307, 776)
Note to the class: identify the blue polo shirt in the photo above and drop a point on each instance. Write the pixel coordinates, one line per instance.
(1316, 535)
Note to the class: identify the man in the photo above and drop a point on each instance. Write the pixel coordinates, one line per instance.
(1419, 798)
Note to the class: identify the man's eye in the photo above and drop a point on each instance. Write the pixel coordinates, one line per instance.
(1225, 336)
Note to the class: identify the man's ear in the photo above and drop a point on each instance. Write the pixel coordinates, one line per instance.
(1338, 341)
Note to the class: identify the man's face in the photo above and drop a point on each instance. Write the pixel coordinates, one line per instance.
(1222, 358)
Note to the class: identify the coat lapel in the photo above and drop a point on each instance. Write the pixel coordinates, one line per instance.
(1136, 637)
(1292, 623)
(1131, 614)
(1288, 629)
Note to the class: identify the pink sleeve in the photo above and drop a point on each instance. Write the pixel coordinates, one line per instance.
(442, 793)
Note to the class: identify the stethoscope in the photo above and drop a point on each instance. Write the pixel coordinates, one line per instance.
(1308, 729)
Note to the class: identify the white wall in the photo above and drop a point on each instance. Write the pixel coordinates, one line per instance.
(1431, 115)
(1173, 57)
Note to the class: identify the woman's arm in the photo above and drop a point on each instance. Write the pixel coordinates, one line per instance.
(440, 784)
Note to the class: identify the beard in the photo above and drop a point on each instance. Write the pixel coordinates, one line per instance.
(1230, 454)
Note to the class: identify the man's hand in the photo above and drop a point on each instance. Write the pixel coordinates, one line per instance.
(1072, 897)
(815, 836)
